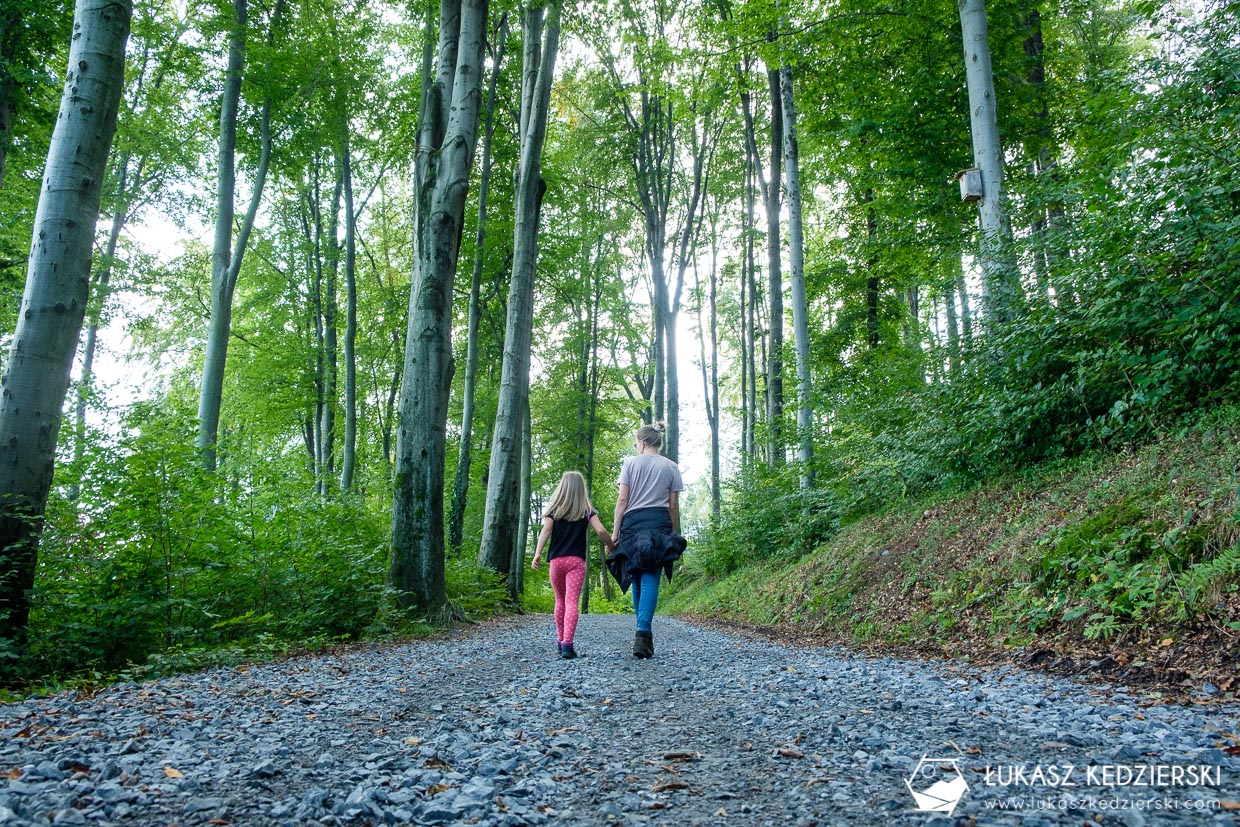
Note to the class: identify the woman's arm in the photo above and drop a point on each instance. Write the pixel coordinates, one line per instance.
(673, 506)
(543, 537)
(622, 505)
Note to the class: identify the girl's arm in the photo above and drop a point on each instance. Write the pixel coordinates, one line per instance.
(543, 537)
(674, 507)
(622, 505)
(597, 525)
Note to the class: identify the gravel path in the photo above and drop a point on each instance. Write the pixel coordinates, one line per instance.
(490, 728)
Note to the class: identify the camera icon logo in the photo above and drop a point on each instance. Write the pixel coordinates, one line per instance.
(937, 784)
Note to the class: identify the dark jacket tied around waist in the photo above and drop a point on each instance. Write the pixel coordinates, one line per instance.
(647, 544)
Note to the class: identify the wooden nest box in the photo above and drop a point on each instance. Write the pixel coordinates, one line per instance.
(970, 184)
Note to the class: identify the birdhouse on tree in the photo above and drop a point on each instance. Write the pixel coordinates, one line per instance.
(970, 184)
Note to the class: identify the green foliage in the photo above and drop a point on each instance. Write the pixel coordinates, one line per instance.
(157, 555)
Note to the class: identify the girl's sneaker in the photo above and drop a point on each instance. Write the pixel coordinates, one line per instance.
(567, 652)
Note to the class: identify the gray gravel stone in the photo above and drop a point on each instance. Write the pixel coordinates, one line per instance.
(490, 727)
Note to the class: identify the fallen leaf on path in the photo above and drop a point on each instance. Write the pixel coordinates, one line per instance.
(563, 730)
(172, 772)
(218, 821)
(1229, 805)
(680, 755)
(820, 780)
(663, 786)
(973, 750)
(790, 752)
(13, 774)
(436, 789)
(413, 742)
(721, 813)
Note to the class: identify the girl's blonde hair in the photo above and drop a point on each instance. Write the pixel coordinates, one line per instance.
(570, 501)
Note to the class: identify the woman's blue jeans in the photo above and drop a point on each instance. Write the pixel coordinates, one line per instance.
(645, 596)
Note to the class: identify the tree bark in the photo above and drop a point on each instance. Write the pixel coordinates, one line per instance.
(953, 327)
(775, 285)
(966, 312)
(225, 258)
(331, 350)
(348, 460)
(796, 260)
(85, 386)
(464, 460)
(447, 133)
(502, 517)
(54, 300)
(1001, 294)
(710, 363)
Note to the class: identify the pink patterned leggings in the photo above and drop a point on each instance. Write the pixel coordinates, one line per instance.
(567, 575)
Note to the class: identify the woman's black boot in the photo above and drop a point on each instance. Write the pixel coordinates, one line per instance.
(643, 644)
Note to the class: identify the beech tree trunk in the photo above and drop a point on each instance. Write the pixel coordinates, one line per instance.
(502, 517)
(448, 131)
(53, 305)
(1001, 292)
(225, 258)
(775, 285)
(102, 282)
(796, 259)
(348, 460)
(464, 460)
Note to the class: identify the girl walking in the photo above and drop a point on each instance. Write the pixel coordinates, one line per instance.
(564, 535)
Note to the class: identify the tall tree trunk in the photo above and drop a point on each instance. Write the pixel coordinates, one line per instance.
(448, 130)
(460, 488)
(953, 327)
(312, 223)
(516, 583)
(225, 258)
(348, 459)
(1001, 294)
(966, 312)
(541, 36)
(53, 305)
(710, 363)
(871, 262)
(775, 285)
(102, 282)
(796, 260)
(749, 285)
(331, 351)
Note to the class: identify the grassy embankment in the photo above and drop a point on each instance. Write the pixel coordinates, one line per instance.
(1128, 562)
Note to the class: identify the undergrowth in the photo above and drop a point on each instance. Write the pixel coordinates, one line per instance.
(1140, 542)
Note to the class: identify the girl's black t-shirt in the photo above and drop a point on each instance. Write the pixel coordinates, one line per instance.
(568, 537)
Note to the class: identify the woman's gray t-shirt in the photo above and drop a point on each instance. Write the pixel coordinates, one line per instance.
(651, 479)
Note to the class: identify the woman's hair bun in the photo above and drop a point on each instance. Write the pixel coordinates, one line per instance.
(660, 427)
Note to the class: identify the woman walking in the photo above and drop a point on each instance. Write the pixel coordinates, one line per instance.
(647, 519)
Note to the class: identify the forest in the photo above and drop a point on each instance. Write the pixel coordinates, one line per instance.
(306, 305)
